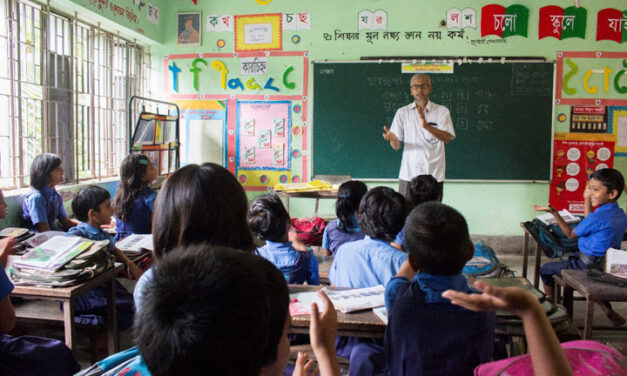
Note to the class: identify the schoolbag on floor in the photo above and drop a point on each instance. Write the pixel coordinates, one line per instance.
(551, 239)
(484, 262)
(309, 230)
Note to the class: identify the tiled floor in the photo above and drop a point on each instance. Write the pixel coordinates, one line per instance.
(603, 331)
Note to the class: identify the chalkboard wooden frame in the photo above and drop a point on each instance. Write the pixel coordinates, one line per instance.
(502, 113)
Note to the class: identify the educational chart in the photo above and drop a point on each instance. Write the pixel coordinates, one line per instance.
(573, 163)
(590, 121)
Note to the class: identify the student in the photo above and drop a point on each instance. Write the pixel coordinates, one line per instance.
(134, 198)
(426, 335)
(598, 231)
(544, 348)
(198, 204)
(181, 330)
(422, 188)
(372, 261)
(92, 206)
(26, 355)
(346, 227)
(43, 205)
(269, 221)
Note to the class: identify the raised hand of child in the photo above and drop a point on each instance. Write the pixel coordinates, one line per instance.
(511, 299)
(548, 208)
(322, 332)
(7, 248)
(304, 366)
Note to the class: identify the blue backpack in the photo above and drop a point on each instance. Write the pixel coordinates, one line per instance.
(552, 240)
(484, 262)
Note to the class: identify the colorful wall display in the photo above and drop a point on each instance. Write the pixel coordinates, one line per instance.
(461, 18)
(258, 32)
(562, 23)
(504, 22)
(612, 25)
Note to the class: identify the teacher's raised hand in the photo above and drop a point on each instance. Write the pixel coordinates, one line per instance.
(389, 136)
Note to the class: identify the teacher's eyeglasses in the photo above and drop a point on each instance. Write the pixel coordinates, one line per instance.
(422, 86)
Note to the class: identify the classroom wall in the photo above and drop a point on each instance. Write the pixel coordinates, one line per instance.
(491, 208)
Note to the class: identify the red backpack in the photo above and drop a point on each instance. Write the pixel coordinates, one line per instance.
(309, 230)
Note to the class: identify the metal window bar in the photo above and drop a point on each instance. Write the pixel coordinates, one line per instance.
(68, 83)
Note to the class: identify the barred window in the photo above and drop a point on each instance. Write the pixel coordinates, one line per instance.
(64, 89)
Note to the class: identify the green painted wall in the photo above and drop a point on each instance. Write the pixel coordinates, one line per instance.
(490, 208)
(120, 15)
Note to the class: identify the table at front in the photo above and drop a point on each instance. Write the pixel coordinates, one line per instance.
(67, 295)
(313, 194)
(592, 291)
(355, 324)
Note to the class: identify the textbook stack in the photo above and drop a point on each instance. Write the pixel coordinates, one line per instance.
(138, 248)
(60, 262)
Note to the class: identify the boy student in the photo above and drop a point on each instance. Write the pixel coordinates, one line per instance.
(598, 231)
(92, 206)
(372, 261)
(422, 188)
(269, 221)
(220, 311)
(426, 334)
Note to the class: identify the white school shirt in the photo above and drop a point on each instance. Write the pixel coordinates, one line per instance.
(423, 153)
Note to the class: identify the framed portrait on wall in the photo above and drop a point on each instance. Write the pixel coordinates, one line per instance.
(189, 29)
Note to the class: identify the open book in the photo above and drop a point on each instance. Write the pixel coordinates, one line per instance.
(343, 300)
(616, 263)
(135, 243)
(548, 218)
(54, 253)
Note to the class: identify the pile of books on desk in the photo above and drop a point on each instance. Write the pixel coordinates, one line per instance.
(61, 261)
(312, 186)
(138, 248)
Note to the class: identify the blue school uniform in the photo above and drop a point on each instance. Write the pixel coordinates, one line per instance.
(141, 215)
(427, 335)
(91, 307)
(45, 205)
(297, 267)
(29, 355)
(600, 230)
(365, 263)
(333, 237)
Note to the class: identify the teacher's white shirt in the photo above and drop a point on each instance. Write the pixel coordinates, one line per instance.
(423, 153)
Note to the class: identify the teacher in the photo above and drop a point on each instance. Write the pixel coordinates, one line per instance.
(424, 128)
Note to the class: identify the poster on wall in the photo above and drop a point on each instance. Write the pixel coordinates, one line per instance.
(573, 162)
(263, 140)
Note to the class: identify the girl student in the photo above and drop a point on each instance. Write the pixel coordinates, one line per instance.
(134, 200)
(346, 227)
(43, 205)
(197, 204)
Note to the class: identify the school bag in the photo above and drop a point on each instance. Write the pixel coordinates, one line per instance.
(309, 230)
(585, 358)
(484, 263)
(551, 239)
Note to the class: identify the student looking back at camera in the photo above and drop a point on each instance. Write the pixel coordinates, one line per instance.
(268, 220)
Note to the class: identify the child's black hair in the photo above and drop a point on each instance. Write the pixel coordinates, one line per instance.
(349, 196)
(201, 204)
(132, 171)
(41, 168)
(436, 236)
(267, 217)
(423, 188)
(611, 178)
(88, 198)
(382, 213)
(212, 310)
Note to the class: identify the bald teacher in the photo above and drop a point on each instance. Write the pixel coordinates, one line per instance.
(424, 128)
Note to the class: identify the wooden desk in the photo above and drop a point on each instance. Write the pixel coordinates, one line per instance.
(592, 291)
(324, 264)
(67, 295)
(315, 194)
(536, 270)
(355, 324)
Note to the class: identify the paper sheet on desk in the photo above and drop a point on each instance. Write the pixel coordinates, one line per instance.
(343, 300)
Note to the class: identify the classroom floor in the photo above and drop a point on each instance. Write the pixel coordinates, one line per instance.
(603, 331)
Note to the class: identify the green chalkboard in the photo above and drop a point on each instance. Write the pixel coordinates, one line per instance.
(501, 112)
